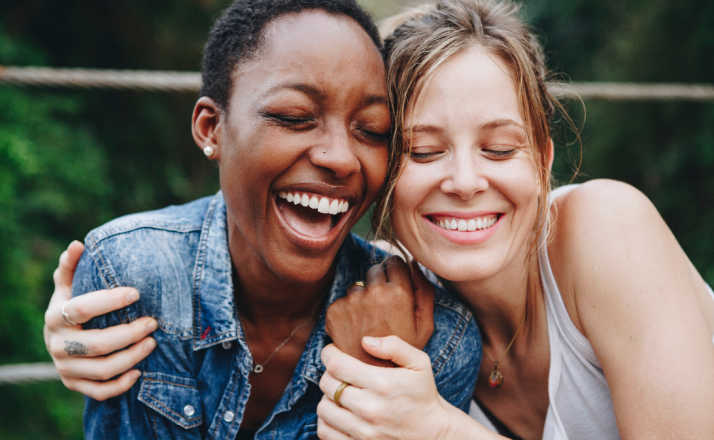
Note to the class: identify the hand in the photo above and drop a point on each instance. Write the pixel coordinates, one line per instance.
(381, 403)
(393, 302)
(82, 356)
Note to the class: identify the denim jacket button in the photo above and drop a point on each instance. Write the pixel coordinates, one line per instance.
(227, 345)
(189, 410)
(228, 416)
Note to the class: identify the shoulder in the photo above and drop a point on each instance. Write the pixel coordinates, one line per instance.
(599, 216)
(153, 251)
(609, 248)
(176, 218)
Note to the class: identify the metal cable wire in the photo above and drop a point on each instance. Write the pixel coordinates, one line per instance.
(164, 81)
(24, 373)
(170, 81)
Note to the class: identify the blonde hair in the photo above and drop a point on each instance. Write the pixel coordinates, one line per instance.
(423, 38)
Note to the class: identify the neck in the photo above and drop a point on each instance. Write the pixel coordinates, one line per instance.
(264, 298)
(500, 304)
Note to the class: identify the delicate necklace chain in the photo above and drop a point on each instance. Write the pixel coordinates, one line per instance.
(495, 377)
(259, 367)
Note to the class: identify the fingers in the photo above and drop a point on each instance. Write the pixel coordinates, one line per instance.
(397, 271)
(82, 308)
(104, 390)
(375, 275)
(102, 342)
(396, 350)
(337, 421)
(346, 368)
(104, 368)
(326, 432)
(67, 264)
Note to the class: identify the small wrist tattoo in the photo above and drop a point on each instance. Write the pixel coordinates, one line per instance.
(74, 348)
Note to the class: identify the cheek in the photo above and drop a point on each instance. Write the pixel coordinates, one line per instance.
(374, 165)
(411, 189)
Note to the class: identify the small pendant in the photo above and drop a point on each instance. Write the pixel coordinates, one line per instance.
(495, 379)
(258, 369)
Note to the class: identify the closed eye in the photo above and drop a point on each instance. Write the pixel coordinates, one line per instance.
(375, 137)
(420, 155)
(500, 151)
(290, 121)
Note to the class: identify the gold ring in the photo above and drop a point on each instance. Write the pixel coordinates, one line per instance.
(338, 392)
(359, 284)
(66, 317)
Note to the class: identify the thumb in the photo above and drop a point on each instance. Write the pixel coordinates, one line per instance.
(393, 348)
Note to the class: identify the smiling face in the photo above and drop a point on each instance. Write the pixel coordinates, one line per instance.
(466, 202)
(302, 146)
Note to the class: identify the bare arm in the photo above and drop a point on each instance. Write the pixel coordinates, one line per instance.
(638, 302)
(89, 361)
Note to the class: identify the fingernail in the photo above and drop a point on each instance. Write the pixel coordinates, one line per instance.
(370, 341)
(150, 344)
(132, 295)
(152, 325)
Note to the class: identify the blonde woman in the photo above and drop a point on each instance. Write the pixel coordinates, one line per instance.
(595, 324)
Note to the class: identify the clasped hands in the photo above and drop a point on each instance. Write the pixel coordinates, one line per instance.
(383, 324)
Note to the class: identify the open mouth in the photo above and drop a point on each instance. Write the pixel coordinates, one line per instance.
(311, 215)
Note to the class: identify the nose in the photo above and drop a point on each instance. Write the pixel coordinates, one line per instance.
(336, 153)
(465, 178)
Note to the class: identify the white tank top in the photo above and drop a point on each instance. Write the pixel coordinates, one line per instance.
(580, 407)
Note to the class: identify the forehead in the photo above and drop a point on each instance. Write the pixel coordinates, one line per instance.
(316, 46)
(472, 85)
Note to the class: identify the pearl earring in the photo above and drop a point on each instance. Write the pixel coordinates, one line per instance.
(208, 151)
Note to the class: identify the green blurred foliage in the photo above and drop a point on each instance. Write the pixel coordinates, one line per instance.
(72, 159)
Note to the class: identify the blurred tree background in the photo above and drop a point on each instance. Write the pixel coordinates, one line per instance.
(73, 159)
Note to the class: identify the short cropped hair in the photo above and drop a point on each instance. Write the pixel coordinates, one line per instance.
(236, 36)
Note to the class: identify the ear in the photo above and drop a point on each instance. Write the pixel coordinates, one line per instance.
(550, 154)
(206, 124)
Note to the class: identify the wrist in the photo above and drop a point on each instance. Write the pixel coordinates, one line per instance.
(458, 425)
(448, 427)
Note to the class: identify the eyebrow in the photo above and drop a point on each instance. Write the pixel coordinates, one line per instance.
(490, 125)
(497, 123)
(318, 95)
(306, 89)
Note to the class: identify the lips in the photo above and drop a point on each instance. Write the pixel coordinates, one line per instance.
(312, 220)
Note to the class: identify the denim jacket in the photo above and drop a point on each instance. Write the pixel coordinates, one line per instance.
(195, 384)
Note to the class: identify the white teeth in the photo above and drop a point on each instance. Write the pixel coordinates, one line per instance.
(322, 205)
(314, 203)
(334, 207)
(472, 224)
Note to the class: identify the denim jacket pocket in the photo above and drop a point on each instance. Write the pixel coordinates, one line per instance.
(174, 397)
